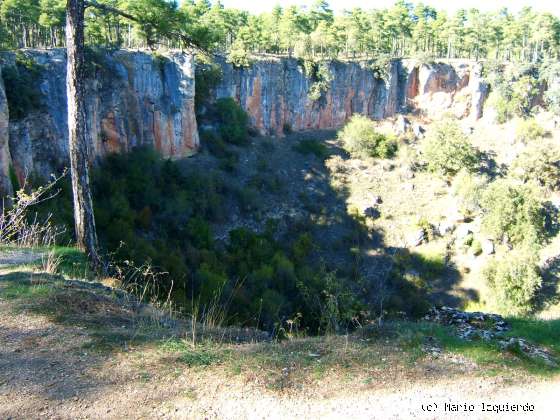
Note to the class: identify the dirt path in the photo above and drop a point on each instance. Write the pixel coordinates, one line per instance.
(47, 372)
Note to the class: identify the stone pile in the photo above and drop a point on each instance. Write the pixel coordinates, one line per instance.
(469, 325)
(487, 327)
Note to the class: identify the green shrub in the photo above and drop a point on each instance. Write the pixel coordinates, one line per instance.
(528, 130)
(447, 149)
(239, 55)
(476, 247)
(381, 66)
(513, 282)
(207, 76)
(540, 163)
(320, 76)
(214, 143)
(409, 281)
(523, 91)
(95, 59)
(287, 129)
(428, 229)
(233, 121)
(22, 87)
(503, 108)
(468, 189)
(155, 211)
(513, 96)
(549, 73)
(513, 211)
(361, 139)
(160, 61)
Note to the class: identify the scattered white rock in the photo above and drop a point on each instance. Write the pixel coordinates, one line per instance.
(418, 130)
(402, 125)
(531, 351)
(444, 227)
(462, 231)
(416, 238)
(487, 246)
(376, 200)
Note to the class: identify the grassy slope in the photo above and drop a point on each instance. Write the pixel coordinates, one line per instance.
(114, 324)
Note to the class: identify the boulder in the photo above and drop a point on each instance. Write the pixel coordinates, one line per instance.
(416, 238)
(418, 130)
(487, 246)
(462, 231)
(407, 172)
(469, 325)
(402, 125)
(372, 213)
(444, 227)
(388, 166)
(519, 345)
(376, 200)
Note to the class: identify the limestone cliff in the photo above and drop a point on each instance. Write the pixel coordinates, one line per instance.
(132, 99)
(5, 160)
(135, 98)
(275, 92)
(437, 88)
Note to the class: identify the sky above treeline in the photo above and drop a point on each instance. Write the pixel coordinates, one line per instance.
(256, 6)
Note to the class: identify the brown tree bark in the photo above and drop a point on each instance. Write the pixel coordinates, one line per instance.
(84, 220)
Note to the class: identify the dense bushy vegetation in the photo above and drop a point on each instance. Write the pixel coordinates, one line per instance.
(447, 150)
(539, 163)
(528, 130)
(468, 189)
(403, 29)
(150, 210)
(320, 75)
(207, 76)
(513, 212)
(21, 84)
(513, 281)
(232, 120)
(514, 91)
(360, 138)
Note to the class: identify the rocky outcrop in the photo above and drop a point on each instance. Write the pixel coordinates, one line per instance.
(132, 99)
(135, 99)
(477, 326)
(436, 88)
(275, 92)
(5, 160)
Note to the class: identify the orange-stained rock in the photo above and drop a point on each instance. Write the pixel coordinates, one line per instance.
(275, 92)
(133, 100)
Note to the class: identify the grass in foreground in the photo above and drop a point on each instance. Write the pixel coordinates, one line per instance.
(370, 355)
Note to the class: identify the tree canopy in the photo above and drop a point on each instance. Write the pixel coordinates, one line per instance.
(405, 29)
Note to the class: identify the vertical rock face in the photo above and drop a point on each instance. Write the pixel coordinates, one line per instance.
(275, 92)
(456, 88)
(136, 99)
(5, 160)
(132, 99)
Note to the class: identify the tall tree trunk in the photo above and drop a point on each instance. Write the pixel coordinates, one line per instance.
(83, 208)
